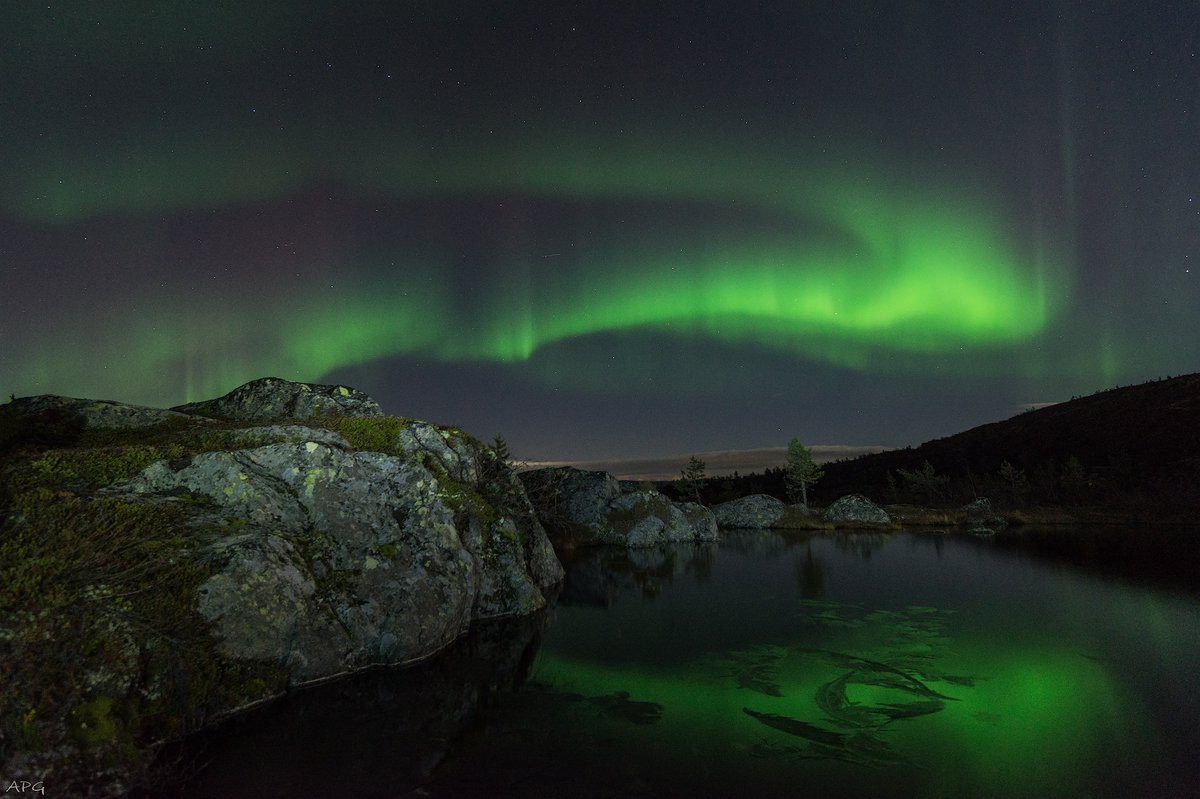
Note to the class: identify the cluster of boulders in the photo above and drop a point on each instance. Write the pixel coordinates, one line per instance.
(759, 511)
(581, 508)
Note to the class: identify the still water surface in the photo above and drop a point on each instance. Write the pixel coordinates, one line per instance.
(897, 665)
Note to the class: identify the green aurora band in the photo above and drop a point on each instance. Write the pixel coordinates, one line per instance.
(907, 271)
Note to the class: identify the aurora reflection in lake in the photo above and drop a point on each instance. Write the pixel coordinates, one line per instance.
(857, 664)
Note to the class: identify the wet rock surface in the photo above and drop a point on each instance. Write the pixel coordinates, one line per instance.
(416, 716)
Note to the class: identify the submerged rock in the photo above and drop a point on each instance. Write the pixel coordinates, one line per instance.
(620, 707)
(423, 712)
(582, 508)
(754, 511)
(856, 509)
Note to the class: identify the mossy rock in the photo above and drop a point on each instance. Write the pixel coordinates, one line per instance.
(137, 563)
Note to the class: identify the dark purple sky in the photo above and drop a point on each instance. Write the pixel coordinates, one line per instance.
(607, 229)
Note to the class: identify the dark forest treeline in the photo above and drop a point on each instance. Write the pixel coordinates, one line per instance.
(1135, 447)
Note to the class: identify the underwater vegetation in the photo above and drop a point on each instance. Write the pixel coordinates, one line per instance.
(855, 729)
(615, 706)
(801, 729)
(847, 688)
(757, 669)
(840, 703)
(619, 706)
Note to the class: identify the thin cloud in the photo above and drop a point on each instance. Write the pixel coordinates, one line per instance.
(1033, 406)
(717, 464)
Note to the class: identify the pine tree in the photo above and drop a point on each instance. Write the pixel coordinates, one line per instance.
(691, 479)
(500, 448)
(926, 481)
(801, 472)
(1014, 480)
(497, 464)
(1074, 479)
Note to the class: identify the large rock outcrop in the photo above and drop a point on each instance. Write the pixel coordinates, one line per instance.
(199, 567)
(275, 398)
(583, 508)
(342, 559)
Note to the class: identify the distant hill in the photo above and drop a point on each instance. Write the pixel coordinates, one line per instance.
(1135, 448)
(1133, 445)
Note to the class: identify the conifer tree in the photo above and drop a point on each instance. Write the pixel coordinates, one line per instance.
(500, 448)
(497, 464)
(691, 479)
(801, 472)
(927, 481)
(1014, 480)
(1074, 479)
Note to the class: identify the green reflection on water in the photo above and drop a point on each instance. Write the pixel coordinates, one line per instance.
(879, 699)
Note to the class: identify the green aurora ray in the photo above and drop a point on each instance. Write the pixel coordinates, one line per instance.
(909, 273)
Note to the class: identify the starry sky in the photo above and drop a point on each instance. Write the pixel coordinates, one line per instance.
(605, 229)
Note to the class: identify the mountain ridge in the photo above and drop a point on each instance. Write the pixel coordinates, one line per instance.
(1134, 443)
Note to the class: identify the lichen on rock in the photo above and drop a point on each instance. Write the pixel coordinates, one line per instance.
(856, 509)
(274, 398)
(252, 556)
(756, 511)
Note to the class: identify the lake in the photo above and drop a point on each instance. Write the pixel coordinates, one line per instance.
(848, 664)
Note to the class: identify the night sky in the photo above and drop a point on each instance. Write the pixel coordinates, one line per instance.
(605, 229)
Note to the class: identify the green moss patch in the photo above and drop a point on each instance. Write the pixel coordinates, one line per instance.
(104, 653)
(368, 434)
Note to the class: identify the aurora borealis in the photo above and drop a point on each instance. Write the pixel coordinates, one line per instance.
(604, 229)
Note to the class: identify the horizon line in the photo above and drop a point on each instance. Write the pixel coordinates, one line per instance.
(718, 463)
